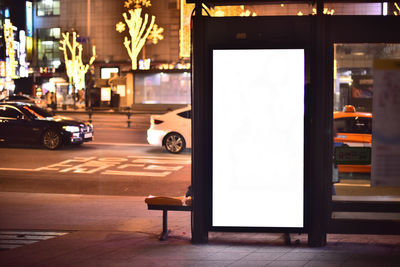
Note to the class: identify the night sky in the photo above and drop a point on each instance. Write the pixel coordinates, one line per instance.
(17, 12)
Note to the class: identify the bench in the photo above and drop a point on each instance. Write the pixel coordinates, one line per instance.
(165, 204)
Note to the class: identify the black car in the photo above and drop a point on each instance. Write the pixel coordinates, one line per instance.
(22, 123)
(26, 99)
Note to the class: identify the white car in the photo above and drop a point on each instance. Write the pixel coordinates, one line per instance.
(171, 130)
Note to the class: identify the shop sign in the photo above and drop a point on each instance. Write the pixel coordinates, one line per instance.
(2, 68)
(29, 21)
(105, 94)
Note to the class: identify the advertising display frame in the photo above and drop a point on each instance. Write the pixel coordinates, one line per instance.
(306, 149)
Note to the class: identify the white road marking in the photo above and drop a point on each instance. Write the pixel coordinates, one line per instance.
(163, 168)
(118, 144)
(128, 173)
(158, 157)
(14, 239)
(129, 166)
(161, 161)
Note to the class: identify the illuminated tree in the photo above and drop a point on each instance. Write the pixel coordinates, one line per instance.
(140, 29)
(10, 49)
(229, 11)
(75, 68)
(397, 6)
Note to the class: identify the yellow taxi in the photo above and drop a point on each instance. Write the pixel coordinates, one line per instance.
(353, 129)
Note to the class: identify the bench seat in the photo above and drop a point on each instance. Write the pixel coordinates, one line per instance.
(165, 204)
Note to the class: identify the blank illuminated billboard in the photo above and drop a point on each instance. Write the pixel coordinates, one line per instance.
(258, 138)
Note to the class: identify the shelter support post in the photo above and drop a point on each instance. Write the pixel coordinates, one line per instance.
(200, 176)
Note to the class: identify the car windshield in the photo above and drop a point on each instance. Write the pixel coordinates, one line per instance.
(37, 112)
(357, 125)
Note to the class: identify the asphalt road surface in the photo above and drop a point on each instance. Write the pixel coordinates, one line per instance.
(95, 169)
(118, 162)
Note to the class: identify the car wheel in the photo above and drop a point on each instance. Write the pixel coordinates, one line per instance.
(174, 143)
(51, 139)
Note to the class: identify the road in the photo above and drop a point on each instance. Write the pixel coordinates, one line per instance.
(118, 162)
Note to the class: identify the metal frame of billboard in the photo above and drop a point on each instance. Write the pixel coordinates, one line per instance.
(305, 181)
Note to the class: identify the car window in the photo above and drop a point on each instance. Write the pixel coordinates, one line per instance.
(359, 125)
(9, 112)
(186, 114)
(37, 112)
(18, 97)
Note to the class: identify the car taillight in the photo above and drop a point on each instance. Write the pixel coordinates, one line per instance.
(154, 121)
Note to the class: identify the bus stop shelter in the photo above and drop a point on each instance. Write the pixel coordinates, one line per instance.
(255, 175)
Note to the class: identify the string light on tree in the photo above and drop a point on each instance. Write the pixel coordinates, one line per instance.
(120, 27)
(75, 68)
(156, 34)
(12, 63)
(137, 3)
(396, 13)
(140, 29)
(326, 11)
(138, 33)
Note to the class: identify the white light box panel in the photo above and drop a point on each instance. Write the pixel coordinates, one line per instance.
(258, 138)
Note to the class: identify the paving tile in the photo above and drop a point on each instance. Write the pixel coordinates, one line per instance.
(249, 263)
(332, 256)
(239, 248)
(284, 263)
(206, 264)
(267, 256)
(316, 263)
(209, 247)
(232, 256)
(297, 256)
(364, 263)
(168, 256)
(275, 249)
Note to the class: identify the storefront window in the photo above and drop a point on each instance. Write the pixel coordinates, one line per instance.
(48, 8)
(48, 43)
(365, 117)
(371, 9)
(162, 88)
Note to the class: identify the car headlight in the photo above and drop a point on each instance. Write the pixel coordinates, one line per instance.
(72, 129)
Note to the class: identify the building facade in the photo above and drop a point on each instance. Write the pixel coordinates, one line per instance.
(163, 61)
(95, 22)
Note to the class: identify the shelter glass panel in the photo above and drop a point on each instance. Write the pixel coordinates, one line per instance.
(366, 121)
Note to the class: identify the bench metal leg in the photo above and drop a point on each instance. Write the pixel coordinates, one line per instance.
(164, 233)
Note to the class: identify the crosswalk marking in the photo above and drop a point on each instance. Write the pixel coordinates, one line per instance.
(124, 165)
(15, 239)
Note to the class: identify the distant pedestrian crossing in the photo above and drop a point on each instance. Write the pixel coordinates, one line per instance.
(15, 239)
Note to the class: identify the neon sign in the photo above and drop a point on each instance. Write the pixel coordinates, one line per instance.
(29, 23)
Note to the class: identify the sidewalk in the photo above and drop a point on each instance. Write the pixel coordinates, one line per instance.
(134, 109)
(120, 231)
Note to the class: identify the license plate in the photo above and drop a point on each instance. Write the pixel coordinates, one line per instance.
(88, 135)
